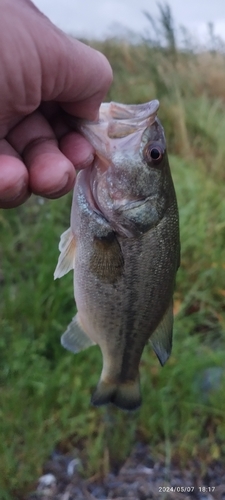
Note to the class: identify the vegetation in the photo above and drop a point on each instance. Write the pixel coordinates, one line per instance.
(44, 390)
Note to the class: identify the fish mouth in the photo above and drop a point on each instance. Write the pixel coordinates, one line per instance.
(124, 119)
(119, 130)
(86, 181)
(120, 126)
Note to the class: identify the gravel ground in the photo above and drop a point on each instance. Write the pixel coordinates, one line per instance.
(140, 478)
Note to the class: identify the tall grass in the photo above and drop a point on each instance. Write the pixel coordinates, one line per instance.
(44, 390)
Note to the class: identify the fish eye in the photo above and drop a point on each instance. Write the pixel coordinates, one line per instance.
(153, 154)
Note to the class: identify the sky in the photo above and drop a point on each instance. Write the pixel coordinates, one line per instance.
(100, 18)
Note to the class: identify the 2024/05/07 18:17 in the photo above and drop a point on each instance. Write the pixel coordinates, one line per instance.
(186, 489)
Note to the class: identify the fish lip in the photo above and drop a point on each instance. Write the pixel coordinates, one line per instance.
(87, 183)
(118, 126)
(128, 113)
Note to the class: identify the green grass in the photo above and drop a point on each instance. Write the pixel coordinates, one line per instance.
(44, 390)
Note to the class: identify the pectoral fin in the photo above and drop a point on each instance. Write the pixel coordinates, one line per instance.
(107, 259)
(74, 338)
(161, 339)
(67, 247)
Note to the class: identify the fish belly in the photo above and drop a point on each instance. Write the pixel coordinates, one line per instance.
(120, 315)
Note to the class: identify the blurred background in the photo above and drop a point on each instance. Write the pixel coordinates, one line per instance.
(102, 18)
(175, 53)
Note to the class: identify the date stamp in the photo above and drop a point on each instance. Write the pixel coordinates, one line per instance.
(176, 489)
(186, 489)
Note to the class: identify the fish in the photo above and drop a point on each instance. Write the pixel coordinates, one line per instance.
(123, 247)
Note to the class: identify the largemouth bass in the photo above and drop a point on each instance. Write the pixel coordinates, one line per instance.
(123, 245)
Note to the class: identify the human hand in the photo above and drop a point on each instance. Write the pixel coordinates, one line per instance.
(42, 70)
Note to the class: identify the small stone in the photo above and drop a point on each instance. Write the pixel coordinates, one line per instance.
(206, 496)
(47, 480)
(144, 490)
(144, 470)
(47, 486)
(73, 466)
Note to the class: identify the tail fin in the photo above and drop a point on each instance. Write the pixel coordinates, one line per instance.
(126, 395)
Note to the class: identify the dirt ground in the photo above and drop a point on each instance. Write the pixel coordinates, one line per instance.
(140, 478)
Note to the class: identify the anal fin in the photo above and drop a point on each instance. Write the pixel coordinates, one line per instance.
(74, 338)
(161, 339)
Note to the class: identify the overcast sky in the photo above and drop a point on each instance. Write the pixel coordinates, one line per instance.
(97, 18)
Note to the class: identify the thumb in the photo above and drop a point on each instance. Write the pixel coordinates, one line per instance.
(47, 64)
(73, 74)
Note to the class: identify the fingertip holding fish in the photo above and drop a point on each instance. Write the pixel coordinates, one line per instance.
(123, 246)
